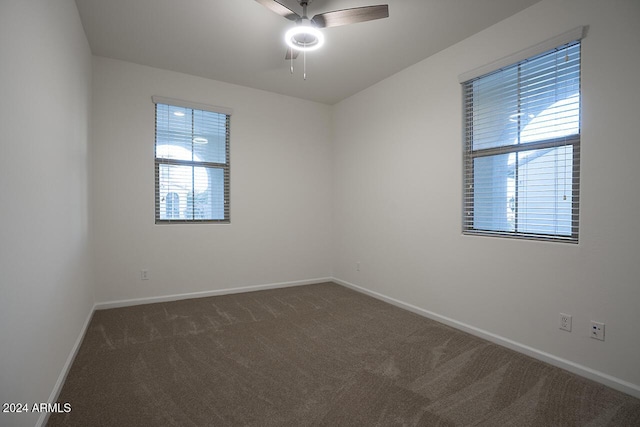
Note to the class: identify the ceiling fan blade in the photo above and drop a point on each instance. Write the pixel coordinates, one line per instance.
(291, 52)
(351, 16)
(280, 9)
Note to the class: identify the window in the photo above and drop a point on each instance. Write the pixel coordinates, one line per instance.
(522, 148)
(191, 162)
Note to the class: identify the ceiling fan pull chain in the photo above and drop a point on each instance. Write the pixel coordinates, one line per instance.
(304, 67)
(291, 54)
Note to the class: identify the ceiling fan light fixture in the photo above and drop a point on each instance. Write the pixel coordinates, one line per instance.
(304, 38)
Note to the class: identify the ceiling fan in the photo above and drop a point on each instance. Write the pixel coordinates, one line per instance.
(306, 36)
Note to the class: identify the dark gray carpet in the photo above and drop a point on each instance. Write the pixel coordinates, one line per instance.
(314, 355)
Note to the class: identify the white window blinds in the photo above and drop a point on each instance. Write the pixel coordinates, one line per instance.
(522, 148)
(191, 163)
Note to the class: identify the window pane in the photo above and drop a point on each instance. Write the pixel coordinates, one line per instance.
(543, 191)
(493, 186)
(173, 128)
(210, 136)
(214, 205)
(550, 95)
(527, 192)
(174, 185)
(495, 108)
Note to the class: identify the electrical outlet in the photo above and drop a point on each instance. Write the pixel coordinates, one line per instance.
(144, 274)
(597, 330)
(565, 322)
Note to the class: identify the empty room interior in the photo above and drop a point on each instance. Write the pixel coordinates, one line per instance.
(431, 219)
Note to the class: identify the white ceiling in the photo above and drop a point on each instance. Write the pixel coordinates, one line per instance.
(241, 42)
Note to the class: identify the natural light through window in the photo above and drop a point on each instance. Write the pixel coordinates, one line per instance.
(192, 165)
(522, 146)
(545, 175)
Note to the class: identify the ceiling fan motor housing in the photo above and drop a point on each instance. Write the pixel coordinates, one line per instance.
(307, 37)
(303, 40)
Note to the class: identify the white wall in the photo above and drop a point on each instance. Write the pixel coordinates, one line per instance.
(280, 189)
(397, 197)
(45, 284)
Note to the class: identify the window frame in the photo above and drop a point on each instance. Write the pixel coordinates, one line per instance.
(225, 167)
(470, 155)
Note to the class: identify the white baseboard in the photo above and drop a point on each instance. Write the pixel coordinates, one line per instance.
(583, 371)
(53, 397)
(176, 297)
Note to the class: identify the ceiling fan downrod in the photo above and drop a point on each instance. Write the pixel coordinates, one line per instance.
(304, 4)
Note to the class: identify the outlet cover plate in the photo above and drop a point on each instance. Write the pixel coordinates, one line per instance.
(597, 331)
(565, 322)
